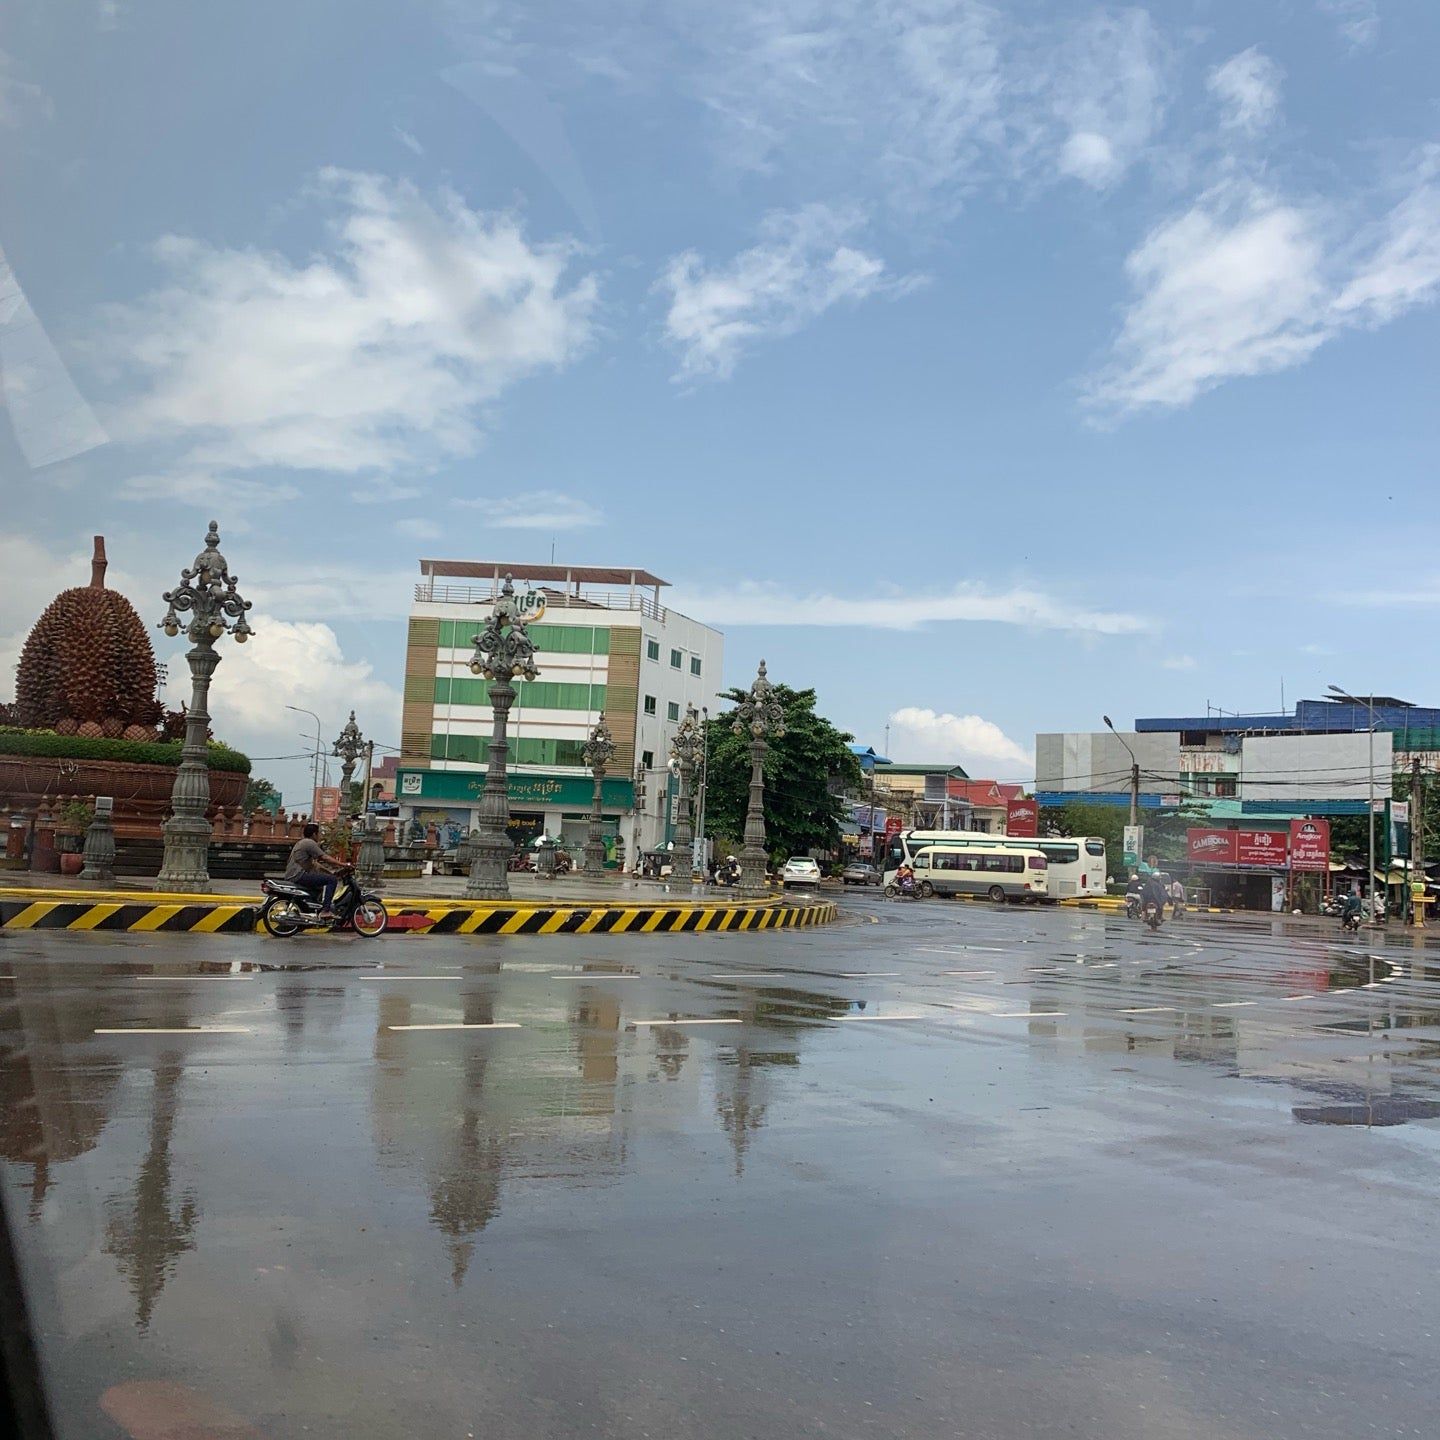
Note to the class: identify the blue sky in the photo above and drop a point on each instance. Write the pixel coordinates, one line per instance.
(1061, 358)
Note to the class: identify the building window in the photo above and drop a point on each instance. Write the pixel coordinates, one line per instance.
(647, 759)
(694, 664)
(675, 659)
(1225, 787)
(652, 649)
(649, 704)
(672, 710)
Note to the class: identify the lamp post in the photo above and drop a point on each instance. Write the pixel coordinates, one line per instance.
(314, 755)
(1369, 704)
(1134, 791)
(760, 716)
(686, 749)
(207, 593)
(599, 747)
(502, 651)
(349, 747)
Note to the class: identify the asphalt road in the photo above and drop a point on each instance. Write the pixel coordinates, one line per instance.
(941, 1170)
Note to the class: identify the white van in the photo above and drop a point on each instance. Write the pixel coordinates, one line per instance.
(1009, 874)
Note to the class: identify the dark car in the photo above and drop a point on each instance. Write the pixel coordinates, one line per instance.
(859, 872)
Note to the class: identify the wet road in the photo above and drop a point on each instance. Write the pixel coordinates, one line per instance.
(942, 1170)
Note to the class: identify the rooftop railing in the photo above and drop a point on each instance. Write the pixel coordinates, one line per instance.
(433, 593)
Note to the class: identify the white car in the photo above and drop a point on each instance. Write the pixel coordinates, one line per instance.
(800, 870)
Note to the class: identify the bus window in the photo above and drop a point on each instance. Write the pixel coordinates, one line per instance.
(1094, 847)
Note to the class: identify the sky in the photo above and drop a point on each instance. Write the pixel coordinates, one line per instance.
(985, 367)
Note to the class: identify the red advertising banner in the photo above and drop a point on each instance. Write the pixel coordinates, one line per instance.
(1021, 818)
(1261, 847)
(327, 804)
(1210, 847)
(1239, 847)
(893, 825)
(1310, 844)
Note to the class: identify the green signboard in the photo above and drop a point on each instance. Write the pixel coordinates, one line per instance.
(465, 786)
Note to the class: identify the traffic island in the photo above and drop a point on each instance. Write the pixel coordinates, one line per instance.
(138, 911)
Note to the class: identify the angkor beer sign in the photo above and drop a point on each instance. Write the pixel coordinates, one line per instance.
(1237, 847)
(1310, 844)
(1021, 817)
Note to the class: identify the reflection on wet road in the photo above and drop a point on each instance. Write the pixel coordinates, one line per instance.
(942, 1170)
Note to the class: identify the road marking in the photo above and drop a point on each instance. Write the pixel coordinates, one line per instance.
(879, 1017)
(1148, 1010)
(641, 1024)
(410, 977)
(461, 1025)
(1348, 990)
(227, 975)
(595, 975)
(1028, 1014)
(1297, 997)
(1231, 1004)
(176, 1030)
(971, 973)
(751, 975)
(868, 974)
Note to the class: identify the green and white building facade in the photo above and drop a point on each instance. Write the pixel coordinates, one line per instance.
(605, 643)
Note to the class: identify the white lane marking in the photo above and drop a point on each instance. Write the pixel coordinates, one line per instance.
(1231, 1004)
(751, 975)
(641, 1024)
(1149, 1010)
(879, 1017)
(409, 977)
(959, 949)
(219, 975)
(1027, 1014)
(1348, 990)
(868, 974)
(971, 973)
(461, 1025)
(1297, 997)
(175, 1030)
(595, 975)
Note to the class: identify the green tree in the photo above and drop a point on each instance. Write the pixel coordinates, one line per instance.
(803, 771)
(261, 795)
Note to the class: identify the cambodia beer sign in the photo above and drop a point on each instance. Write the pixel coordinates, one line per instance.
(1310, 844)
(1238, 847)
(1021, 818)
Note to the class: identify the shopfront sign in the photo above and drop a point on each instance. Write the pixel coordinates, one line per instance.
(466, 787)
(1021, 818)
(1238, 847)
(1310, 844)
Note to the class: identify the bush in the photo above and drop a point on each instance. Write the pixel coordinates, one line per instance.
(46, 744)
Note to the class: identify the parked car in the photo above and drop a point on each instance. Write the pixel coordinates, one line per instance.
(800, 870)
(860, 872)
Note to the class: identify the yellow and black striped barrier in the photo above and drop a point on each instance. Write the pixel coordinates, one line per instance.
(228, 915)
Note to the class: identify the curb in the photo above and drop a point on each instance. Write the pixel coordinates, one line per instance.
(233, 915)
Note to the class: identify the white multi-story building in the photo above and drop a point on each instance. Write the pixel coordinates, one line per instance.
(606, 644)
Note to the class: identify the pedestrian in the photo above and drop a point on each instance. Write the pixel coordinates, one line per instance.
(1177, 898)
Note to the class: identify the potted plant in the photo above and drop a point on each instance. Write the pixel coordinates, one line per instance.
(72, 820)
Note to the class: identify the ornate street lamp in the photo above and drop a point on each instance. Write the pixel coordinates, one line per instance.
(686, 750)
(349, 747)
(208, 595)
(502, 651)
(599, 747)
(760, 716)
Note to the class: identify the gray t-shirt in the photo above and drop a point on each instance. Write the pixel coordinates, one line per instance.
(303, 856)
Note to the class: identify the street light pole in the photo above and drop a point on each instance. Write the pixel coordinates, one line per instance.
(207, 592)
(349, 747)
(599, 747)
(314, 757)
(760, 716)
(1370, 706)
(686, 749)
(1134, 771)
(502, 651)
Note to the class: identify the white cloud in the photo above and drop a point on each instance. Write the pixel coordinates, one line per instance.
(1246, 282)
(1358, 21)
(977, 744)
(801, 267)
(1178, 662)
(766, 604)
(535, 510)
(409, 141)
(414, 529)
(1108, 94)
(375, 357)
(301, 664)
(1247, 87)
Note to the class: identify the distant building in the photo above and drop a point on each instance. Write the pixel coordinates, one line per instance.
(989, 802)
(605, 642)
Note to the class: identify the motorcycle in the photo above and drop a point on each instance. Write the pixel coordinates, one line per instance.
(1152, 915)
(1132, 906)
(902, 889)
(727, 875)
(1350, 922)
(289, 908)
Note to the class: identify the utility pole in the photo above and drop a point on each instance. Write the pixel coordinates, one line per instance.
(1369, 705)
(1417, 836)
(1134, 784)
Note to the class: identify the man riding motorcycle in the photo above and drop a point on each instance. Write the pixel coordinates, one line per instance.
(1155, 892)
(310, 867)
(1132, 896)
